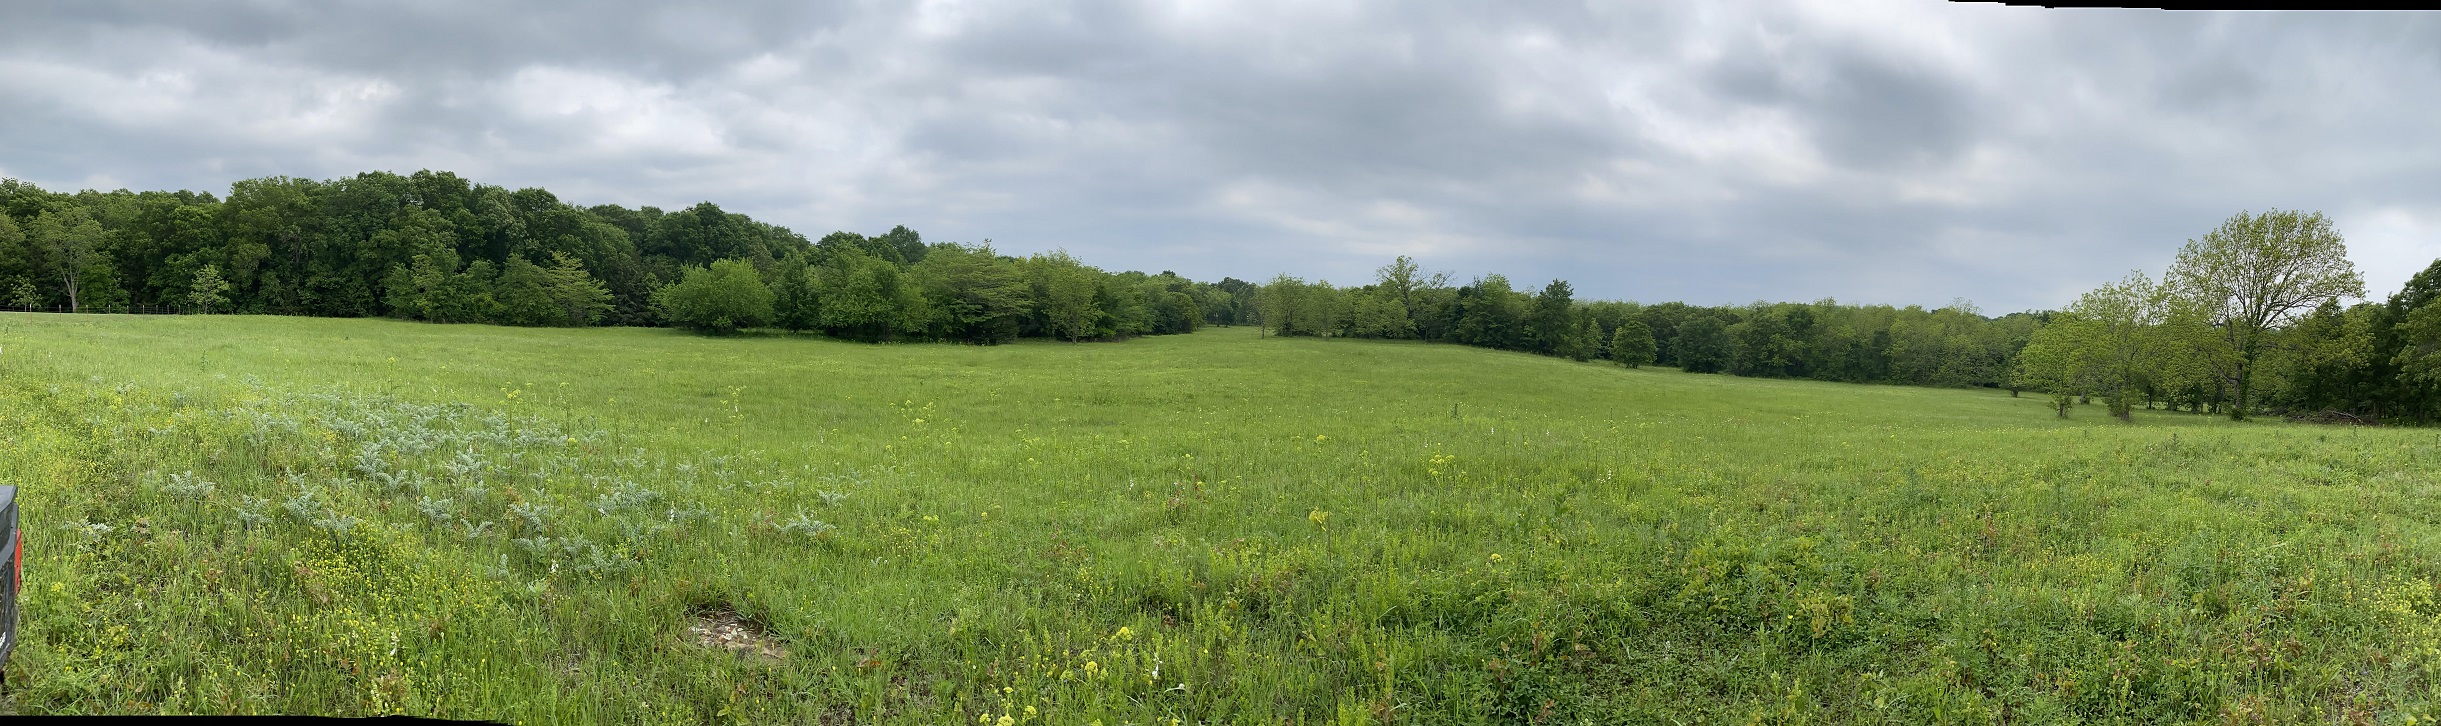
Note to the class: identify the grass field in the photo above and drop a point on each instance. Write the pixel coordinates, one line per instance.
(245, 514)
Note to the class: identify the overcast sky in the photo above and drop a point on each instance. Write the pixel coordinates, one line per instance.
(1709, 152)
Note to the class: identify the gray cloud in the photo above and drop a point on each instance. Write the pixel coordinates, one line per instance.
(1712, 153)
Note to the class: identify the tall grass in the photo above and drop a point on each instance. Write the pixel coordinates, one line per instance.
(259, 515)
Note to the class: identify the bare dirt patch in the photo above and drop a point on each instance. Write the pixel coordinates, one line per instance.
(724, 629)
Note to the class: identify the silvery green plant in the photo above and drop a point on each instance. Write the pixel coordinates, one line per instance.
(533, 513)
(440, 511)
(336, 523)
(806, 526)
(303, 506)
(627, 496)
(187, 485)
(250, 511)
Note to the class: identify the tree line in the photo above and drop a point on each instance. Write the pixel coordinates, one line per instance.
(436, 247)
(1951, 346)
(2248, 320)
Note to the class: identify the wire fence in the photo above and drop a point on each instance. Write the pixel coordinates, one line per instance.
(100, 310)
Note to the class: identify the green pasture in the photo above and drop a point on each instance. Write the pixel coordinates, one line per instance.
(294, 515)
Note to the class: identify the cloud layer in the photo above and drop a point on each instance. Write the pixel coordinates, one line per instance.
(1712, 153)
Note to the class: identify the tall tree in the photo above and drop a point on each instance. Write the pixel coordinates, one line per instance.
(19, 262)
(1380, 313)
(579, 298)
(1703, 344)
(976, 295)
(74, 243)
(523, 296)
(1631, 344)
(794, 306)
(2330, 353)
(1550, 323)
(1064, 289)
(2118, 328)
(1398, 281)
(2254, 273)
(1490, 314)
(1587, 343)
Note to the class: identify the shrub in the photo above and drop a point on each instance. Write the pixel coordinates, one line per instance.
(719, 299)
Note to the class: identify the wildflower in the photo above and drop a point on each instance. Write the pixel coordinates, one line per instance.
(1495, 558)
(1005, 720)
(1319, 518)
(1124, 633)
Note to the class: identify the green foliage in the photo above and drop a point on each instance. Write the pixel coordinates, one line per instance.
(977, 295)
(23, 296)
(940, 534)
(863, 297)
(434, 289)
(522, 296)
(73, 242)
(2253, 274)
(2119, 341)
(577, 297)
(2330, 358)
(1064, 291)
(208, 290)
(793, 303)
(1703, 345)
(1490, 314)
(1293, 307)
(1587, 343)
(2420, 359)
(720, 299)
(1631, 344)
(1550, 321)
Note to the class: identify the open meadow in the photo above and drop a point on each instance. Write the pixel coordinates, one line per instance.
(269, 514)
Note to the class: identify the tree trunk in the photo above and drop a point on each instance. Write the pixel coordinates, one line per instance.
(2237, 408)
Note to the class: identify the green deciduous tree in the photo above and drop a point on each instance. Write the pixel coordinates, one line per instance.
(208, 291)
(1703, 344)
(1631, 344)
(1064, 292)
(864, 297)
(976, 296)
(1291, 306)
(720, 299)
(1489, 314)
(1379, 313)
(794, 306)
(523, 296)
(1550, 319)
(2330, 358)
(73, 241)
(2254, 273)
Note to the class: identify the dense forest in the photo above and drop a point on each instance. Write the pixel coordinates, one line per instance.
(436, 247)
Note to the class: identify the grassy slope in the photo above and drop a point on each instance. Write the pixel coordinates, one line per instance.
(1298, 529)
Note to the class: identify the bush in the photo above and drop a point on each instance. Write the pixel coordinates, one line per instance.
(721, 299)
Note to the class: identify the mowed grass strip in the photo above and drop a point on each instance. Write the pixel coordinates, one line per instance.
(243, 514)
